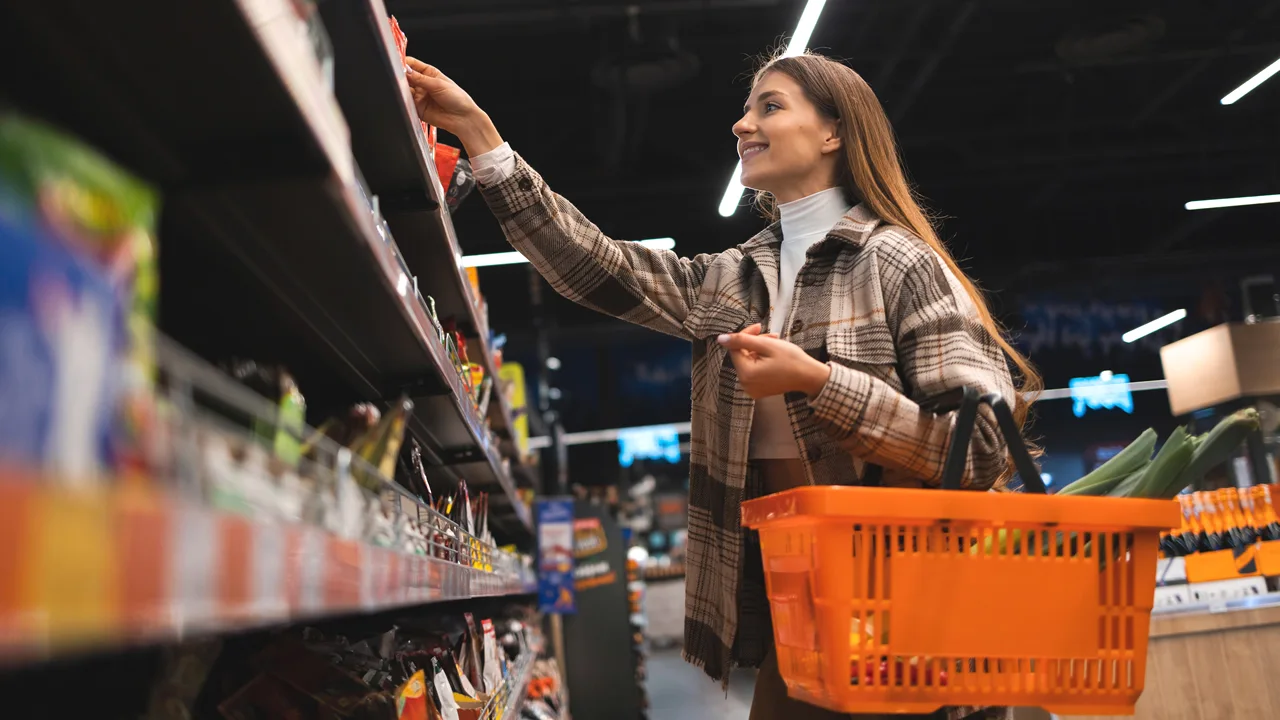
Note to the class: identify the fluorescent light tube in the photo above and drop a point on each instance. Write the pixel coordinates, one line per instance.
(733, 193)
(1232, 202)
(515, 258)
(804, 29)
(799, 43)
(1251, 83)
(1163, 321)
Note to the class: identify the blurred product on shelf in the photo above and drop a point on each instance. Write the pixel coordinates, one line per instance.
(450, 164)
(78, 305)
(638, 622)
(423, 667)
(545, 695)
(512, 376)
(1228, 518)
(277, 385)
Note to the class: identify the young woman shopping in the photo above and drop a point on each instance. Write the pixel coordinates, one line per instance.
(812, 341)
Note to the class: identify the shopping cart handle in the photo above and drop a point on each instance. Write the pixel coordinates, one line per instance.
(964, 401)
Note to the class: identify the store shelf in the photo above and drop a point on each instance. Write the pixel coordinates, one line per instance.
(263, 221)
(390, 148)
(506, 703)
(101, 568)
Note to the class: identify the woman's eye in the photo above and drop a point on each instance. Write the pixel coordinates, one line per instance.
(770, 107)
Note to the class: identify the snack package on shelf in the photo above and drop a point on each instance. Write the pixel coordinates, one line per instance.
(277, 385)
(411, 698)
(402, 47)
(410, 671)
(79, 298)
(545, 698)
(455, 174)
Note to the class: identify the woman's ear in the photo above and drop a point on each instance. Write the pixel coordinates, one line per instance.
(833, 141)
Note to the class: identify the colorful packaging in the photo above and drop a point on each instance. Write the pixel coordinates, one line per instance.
(88, 207)
(492, 668)
(448, 704)
(411, 698)
(63, 342)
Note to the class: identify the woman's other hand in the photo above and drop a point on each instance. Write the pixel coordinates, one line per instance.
(441, 102)
(767, 365)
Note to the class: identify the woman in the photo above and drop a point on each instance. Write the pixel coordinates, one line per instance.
(866, 314)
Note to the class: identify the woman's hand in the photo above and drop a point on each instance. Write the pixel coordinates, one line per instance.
(442, 103)
(767, 365)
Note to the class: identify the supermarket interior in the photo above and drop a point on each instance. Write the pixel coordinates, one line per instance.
(379, 414)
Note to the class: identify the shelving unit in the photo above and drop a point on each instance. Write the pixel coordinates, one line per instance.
(272, 247)
(221, 106)
(90, 570)
(389, 146)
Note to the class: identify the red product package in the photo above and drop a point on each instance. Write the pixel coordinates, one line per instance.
(430, 132)
(402, 42)
(402, 46)
(446, 160)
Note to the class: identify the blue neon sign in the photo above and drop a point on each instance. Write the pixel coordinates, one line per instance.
(1104, 391)
(650, 443)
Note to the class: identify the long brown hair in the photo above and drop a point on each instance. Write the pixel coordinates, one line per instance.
(872, 174)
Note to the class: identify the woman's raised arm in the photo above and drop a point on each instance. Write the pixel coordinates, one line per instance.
(653, 288)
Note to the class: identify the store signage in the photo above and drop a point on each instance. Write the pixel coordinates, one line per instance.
(660, 442)
(555, 555)
(1101, 392)
(589, 545)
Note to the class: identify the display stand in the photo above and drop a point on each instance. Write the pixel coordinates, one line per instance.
(600, 662)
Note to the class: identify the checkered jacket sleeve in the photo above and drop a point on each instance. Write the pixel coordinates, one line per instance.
(653, 288)
(941, 344)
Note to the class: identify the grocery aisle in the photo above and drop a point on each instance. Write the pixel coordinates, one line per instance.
(679, 691)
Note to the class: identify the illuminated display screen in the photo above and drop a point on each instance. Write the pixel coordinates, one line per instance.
(653, 443)
(1104, 391)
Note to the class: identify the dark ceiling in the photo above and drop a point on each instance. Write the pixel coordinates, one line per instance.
(1049, 134)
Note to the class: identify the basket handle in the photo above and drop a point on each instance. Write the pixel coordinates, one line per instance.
(965, 401)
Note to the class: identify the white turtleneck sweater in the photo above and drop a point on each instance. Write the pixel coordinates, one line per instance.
(804, 223)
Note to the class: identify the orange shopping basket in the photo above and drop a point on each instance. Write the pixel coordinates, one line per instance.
(905, 600)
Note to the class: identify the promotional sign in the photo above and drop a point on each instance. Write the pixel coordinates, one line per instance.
(555, 555)
(590, 549)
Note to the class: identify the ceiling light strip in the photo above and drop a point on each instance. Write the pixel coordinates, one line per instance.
(1232, 202)
(515, 258)
(1251, 84)
(1159, 323)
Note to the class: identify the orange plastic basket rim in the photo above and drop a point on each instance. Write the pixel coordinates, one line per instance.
(913, 506)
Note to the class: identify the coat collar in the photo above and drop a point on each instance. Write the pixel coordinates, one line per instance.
(854, 228)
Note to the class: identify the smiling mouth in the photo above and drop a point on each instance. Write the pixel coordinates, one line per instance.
(753, 151)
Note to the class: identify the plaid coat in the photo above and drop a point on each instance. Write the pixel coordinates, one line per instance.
(872, 300)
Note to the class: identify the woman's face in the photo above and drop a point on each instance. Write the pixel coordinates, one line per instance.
(787, 147)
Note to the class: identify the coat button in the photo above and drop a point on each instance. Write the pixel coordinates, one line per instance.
(796, 327)
(525, 184)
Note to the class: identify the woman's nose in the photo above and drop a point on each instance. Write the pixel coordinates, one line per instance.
(744, 126)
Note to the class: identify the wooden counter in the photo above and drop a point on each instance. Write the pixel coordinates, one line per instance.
(1213, 666)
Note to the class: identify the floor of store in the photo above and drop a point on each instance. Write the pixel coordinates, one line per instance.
(679, 691)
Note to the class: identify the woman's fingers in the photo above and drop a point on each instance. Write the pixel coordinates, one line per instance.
(745, 341)
(424, 81)
(420, 67)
